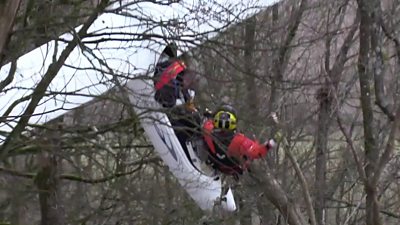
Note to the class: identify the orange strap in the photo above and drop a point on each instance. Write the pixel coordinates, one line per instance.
(240, 145)
(208, 127)
(170, 73)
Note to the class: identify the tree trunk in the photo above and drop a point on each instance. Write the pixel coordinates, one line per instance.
(249, 65)
(8, 12)
(277, 196)
(370, 146)
(321, 153)
(325, 97)
(47, 182)
(251, 99)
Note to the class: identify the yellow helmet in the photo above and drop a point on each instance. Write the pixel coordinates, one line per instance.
(225, 120)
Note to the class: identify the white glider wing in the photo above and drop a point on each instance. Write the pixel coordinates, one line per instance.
(205, 190)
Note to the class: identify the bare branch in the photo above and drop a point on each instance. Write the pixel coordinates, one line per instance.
(51, 73)
(303, 182)
(361, 206)
(71, 177)
(17, 173)
(108, 178)
(391, 37)
(8, 12)
(390, 145)
(10, 76)
(299, 173)
(360, 167)
(378, 65)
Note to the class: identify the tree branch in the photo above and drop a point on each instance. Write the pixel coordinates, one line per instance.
(299, 173)
(378, 65)
(10, 76)
(8, 13)
(390, 37)
(391, 214)
(17, 173)
(77, 178)
(51, 73)
(385, 157)
(347, 136)
(303, 182)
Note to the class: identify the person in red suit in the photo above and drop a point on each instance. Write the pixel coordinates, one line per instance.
(169, 81)
(230, 151)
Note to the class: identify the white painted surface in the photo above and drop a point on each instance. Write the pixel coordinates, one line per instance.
(203, 189)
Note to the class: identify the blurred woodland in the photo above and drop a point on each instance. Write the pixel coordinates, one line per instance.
(328, 68)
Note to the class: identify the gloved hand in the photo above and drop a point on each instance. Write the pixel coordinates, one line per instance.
(192, 93)
(278, 136)
(207, 113)
(270, 144)
(190, 106)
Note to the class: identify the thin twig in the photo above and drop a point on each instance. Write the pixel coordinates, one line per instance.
(359, 165)
(299, 173)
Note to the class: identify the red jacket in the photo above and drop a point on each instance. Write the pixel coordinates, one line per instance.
(241, 148)
(170, 73)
